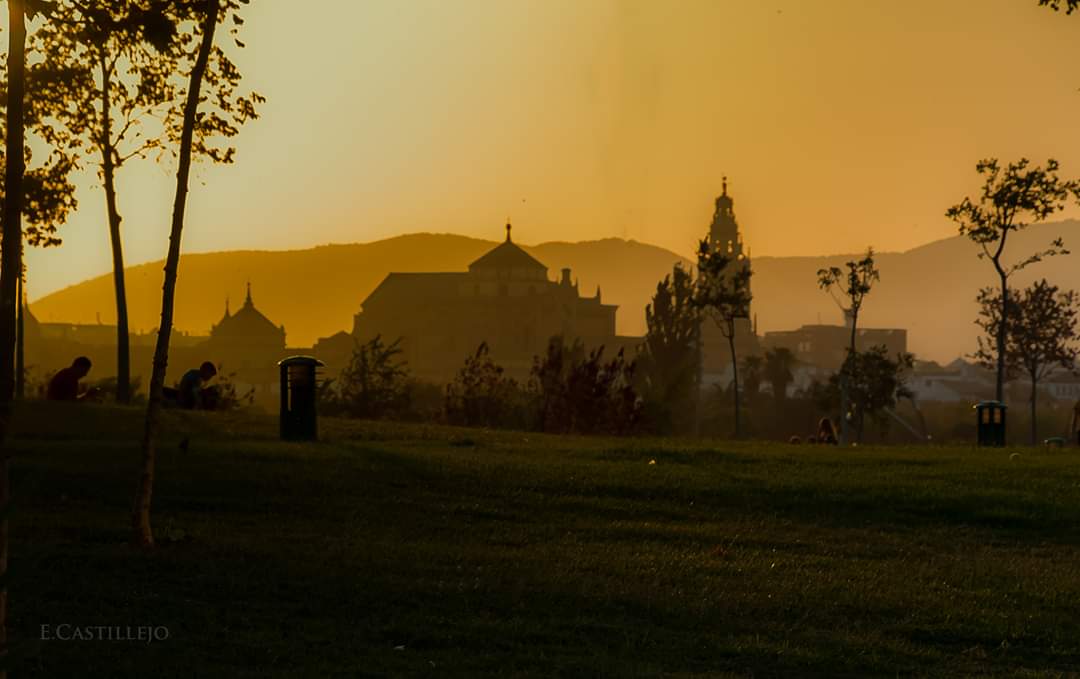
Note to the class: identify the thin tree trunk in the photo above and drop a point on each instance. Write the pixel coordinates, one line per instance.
(735, 378)
(999, 391)
(20, 339)
(140, 516)
(10, 271)
(108, 171)
(845, 389)
(699, 378)
(1034, 424)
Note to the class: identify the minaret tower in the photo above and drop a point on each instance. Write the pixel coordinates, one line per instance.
(724, 232)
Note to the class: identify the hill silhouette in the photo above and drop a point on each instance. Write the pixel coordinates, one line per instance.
(929, 290)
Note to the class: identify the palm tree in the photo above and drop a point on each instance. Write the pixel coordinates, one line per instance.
(777, 371)
(752, 376)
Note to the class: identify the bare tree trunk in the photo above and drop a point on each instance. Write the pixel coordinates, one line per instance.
(735, 378)
(108, 171)
(143, 534)
(10, 271)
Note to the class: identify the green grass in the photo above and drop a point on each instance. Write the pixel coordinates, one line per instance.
(404, 550)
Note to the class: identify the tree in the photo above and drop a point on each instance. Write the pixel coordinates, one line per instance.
(874, 383)
(481, 395)
(1012, 199)
(669, 358)
(192, 132)
(1069, 5)
(121, 58)
(777, 371)
(16, 200)
(753, 368)
(375, 384)
(723, 293)
(1041, 337)
(849, 290)
(10, 271)
(48, 194)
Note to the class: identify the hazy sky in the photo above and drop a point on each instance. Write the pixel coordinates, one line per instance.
(840, 123)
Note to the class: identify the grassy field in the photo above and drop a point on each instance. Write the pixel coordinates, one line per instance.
(404, 550)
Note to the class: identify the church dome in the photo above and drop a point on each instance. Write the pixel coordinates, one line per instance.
(248, 325)
(508, 258)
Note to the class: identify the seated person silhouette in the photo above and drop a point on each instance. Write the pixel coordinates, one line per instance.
(64, 385)
(190, 394)
(826, 432)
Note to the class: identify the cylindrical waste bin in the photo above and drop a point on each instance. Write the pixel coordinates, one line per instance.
(990, 423)
(299, 394)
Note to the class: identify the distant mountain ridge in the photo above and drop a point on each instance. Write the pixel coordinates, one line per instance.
(929, 290)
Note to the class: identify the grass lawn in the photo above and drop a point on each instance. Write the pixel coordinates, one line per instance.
(404, 550)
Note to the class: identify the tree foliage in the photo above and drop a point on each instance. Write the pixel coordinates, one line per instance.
(669, 357)
(1040, 338)
(722, 292)
(874, 383)
(849, 288)
(482, 395)
(374, 385)
(1070, 6)
(578, 392)
(1012, 198)
(48, 194)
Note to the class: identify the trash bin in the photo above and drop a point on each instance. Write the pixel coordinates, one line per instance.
(990, 423)
(299, 394)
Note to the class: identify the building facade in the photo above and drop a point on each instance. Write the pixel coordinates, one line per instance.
(504, 299)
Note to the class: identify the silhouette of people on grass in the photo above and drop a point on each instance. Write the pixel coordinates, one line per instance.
(190, 394)
(826, 432)
(64, 385)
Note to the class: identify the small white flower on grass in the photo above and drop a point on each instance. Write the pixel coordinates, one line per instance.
(652, 461)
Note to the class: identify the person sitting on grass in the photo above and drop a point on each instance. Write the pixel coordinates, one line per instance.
(64, 385)
(190, 394)
(826, 432)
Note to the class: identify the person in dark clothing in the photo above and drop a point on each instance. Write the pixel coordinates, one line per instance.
(190, 393)
(826, 432)
(64, 385)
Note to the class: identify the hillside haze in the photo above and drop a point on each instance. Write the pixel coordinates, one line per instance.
(314, 293)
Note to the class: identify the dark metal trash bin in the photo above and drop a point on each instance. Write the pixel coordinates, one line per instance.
(299, 394)
(990, 423)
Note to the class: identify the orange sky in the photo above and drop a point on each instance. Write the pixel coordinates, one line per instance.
(841, 124)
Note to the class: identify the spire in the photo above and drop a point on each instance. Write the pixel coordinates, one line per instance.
(247, 300)
(725, 185)
(597, 293)
(227, 314)
(508, 227)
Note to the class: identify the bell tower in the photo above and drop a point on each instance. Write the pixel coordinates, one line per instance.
(724, 232)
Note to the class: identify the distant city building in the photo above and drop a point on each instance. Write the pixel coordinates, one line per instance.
(504, 299)
(825, 346)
